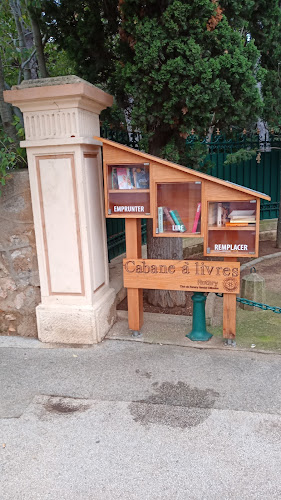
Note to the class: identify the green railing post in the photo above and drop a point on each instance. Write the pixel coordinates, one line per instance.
(199, 331)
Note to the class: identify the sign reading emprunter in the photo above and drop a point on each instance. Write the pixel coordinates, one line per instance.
(187, 275)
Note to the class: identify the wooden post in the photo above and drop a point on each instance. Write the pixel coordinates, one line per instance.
(229, 310)
(134, 295)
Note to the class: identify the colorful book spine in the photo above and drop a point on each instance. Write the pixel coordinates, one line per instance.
(168, 215)
(219, 214)
(177, 220)
(235, 224)
(160, 220)
(114, 178)
(196, 218)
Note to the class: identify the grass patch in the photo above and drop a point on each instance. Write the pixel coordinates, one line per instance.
(262, 328)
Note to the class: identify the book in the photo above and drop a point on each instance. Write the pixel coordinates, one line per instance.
(196, 218)
(141, 177)
(160, 220)
(219, 214)
(114, 178)
(234, 224)
(243, 219)
(212, 214)
(167, 216)
(241, 213)
(177, 221)
(124, 178)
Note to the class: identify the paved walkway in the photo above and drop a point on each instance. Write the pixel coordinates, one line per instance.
(134, 421)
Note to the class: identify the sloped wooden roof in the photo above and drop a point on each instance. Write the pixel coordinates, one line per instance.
(201, 175)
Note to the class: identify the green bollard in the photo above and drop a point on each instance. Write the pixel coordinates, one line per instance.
(199, 331)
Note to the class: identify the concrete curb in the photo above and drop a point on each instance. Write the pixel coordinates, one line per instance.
(8, 342)
(205, 346)
(260, 259)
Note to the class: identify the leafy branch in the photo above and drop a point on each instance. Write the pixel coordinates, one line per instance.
(239, 156)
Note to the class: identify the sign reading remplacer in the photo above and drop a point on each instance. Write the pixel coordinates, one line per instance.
(186, 275)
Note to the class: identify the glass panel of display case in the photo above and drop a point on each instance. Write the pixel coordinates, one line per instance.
(128, 189)
(179, 208)
(231, 227)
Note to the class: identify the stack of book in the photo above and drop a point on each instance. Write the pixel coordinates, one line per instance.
(130, 178)
(241, 218)
(170, 220)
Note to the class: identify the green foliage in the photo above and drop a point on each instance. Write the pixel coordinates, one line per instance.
(57, 60)
(9, 44)
(87, 31)
(196, 157)
(171, 152)
(179, 75)
(165, 67)
(114, 117)
(240, 156)
(12, 156)
(262, 20)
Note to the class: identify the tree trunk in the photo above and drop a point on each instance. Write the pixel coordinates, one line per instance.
(16, 11)
(6, 109)
(278, 237)
(38, 44)
(164, 248)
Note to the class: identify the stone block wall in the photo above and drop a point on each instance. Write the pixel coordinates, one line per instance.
(19, 278)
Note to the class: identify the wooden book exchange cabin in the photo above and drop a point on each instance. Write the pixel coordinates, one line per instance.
(182, 203)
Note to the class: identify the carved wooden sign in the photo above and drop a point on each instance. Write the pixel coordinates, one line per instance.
(186, 275)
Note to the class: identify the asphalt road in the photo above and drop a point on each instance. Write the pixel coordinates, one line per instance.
(127, 420)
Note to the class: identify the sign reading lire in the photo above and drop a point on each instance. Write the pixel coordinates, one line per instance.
(186, 275)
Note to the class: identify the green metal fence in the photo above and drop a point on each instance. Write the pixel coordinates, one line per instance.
(116, 236)
(262, 173)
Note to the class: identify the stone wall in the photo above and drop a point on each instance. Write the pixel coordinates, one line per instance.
(19, 278)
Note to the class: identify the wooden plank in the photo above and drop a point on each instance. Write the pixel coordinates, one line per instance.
(229, 315)
(229, 309)
(170, 174)
(134, 295)
(135, 308)
(217, 192)
(184, 275)
(126, 154)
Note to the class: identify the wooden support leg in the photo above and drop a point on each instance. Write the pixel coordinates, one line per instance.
(135, 308)
(229, 315)
(134, 295)
(229, 310)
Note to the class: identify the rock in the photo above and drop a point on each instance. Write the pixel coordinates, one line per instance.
(10, 317)
(19, 277)
(6, 285)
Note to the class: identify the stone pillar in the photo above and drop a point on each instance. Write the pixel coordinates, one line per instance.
(253, 288)
(61, 116)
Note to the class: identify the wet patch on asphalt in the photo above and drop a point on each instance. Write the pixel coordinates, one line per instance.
(46, 407)
(174, 405)
(61, 405)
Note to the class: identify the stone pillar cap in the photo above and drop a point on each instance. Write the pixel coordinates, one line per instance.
(61, 87)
